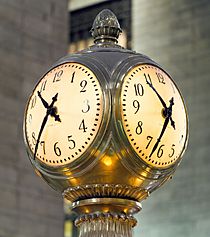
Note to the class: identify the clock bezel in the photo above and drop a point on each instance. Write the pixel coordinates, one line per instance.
(89, 157)
(128, 155)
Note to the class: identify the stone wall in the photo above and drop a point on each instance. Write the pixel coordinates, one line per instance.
(33, 34)
(176, 34)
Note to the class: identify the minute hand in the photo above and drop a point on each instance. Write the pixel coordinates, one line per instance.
(161, 134)
(169, 113)
(40, 133)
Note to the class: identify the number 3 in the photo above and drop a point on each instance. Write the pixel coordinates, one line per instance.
(86, 102)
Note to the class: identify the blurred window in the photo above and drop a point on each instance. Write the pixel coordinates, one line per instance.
(81, 21)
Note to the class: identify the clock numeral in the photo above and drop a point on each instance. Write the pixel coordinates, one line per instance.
(86, 102)
(34, 141)
(139, 89)
(42, 143)
(160, 78)
(33, 138)
(149, 138)
(173, 150)
(181, 138)
(57, 76)
(136, 105)
(57, 150)
(160, 151)
(73, 143)
(33, 102)
(82, 126)
(148, 78)
(139, 128)
(30, 118)
(83, 84)
(72, 78)
(43, 86)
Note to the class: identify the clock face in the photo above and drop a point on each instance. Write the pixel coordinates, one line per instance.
(64, 114)
(153, 116)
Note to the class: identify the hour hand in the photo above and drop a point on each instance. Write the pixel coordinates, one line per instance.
(54, 114)
(44, 102)
(169, 112)
(54, 99)
(172, 123)
(53, 110)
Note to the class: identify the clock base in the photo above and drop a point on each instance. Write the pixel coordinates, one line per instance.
(111, 217)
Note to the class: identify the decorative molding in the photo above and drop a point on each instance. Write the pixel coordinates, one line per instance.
(106, 216)
(105, 190)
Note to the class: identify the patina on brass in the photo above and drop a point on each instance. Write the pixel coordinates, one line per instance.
(108, 181)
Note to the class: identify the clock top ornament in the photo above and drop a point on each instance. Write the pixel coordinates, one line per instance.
(106, 127)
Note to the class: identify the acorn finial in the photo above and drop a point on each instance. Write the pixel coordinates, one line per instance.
(106, 27)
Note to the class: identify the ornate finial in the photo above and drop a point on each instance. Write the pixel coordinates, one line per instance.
(106, 27)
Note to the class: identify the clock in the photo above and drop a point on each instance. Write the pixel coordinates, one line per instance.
(105, 127)
(63, 114)
(153, 116)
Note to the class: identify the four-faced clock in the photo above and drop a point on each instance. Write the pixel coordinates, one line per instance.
(64, 114)
(153, 116)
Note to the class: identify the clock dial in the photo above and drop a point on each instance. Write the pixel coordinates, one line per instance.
(64, 114)
(153, 116)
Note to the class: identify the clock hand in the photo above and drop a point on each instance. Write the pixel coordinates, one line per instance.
(172, 123)
(50, 111)
(161, 134)
(160, 98)
(168, 118)
(163, 103)
(53, 110)
(53, 114)
(54, 99)
(169, 112)
(43, 101)
(40, 133)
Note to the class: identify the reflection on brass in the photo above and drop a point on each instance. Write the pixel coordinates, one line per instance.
(113, 205)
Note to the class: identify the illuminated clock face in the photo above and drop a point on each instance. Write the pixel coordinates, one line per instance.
(64, 114)
(153, 116)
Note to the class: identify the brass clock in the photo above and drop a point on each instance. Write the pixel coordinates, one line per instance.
(105, 127)
(153, 116)
(64, 114)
